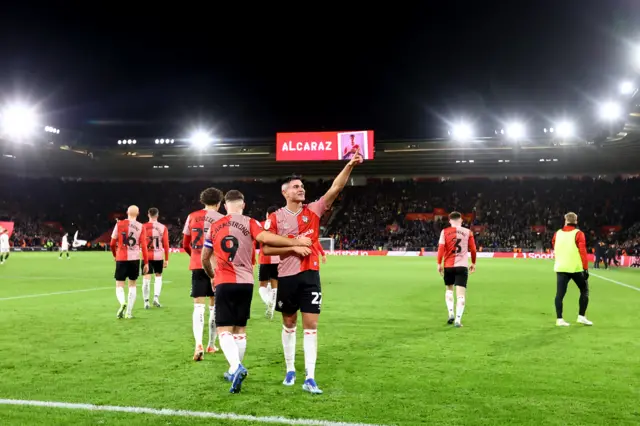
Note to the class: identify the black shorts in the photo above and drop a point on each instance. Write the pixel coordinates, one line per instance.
(267, 272)
(457, 276)
(201, 284)
(233, 304)
(127, 270)
(301, 292)
(155, 266)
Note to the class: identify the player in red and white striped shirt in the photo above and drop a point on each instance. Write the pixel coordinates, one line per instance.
(232, 241)
(456, 243)
(158, 246)
(268, 276)
(195, 230)
(299, 287)
(127, 241)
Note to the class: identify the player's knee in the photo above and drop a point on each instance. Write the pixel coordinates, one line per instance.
(310, 321)
(289, 321)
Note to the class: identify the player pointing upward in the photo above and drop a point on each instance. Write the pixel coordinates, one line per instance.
(454, 247)
(127, 239)
(299, 278)
(195, 230)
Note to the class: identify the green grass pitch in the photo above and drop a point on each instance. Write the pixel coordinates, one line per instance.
(386, 355)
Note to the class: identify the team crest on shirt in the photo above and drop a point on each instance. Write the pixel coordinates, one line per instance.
(286, 225)
(305, 219)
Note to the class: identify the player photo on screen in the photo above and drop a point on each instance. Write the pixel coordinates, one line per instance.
(351, 142)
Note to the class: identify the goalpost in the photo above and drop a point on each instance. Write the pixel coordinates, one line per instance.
(328, 244)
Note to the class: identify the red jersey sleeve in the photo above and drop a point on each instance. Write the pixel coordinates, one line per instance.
(186, 244)
(581, 243)
(472, 248)
(319, 248)
(143, 246)
(165, 244)
(255, 227)
(114, 246)
(553, 241)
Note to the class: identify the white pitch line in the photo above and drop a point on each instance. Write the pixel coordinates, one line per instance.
(615, 282)
(28, 296)
(177, 413)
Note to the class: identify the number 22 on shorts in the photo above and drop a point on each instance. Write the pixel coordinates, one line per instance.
(317, 298)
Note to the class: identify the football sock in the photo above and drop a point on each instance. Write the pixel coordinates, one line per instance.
(264, 294)
(157, 287)
(273, 294)
(67, 255)
(310, 352)
(146, 283)
(289, 347)
(198, 322)
(230, 350)
(213, 331)
(448, 296)
(133, 291)
(460, 308)
(120, 295)
(241, 343)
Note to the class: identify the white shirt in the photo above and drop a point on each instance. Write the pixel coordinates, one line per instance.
(4, 240)
(65, 242)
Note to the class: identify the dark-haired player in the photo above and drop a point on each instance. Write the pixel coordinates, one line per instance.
(299, 279)
(195, 229)
(158, 246)
(232, 240)
(268, 276)
(454, 247)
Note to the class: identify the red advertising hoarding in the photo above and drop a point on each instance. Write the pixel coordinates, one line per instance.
(324, 146)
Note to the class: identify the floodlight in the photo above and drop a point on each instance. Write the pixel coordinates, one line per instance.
(610, 111)
(627, 88)
(461, 131)
(200, 139)
(18, 121)
(515, 131)
(565, 129)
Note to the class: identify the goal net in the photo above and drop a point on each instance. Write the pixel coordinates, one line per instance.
(327, 244)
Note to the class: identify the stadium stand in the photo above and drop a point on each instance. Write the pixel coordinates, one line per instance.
(506, 214)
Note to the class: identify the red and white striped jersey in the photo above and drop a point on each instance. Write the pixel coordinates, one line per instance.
(128, 239)
(454, 247)
(157, 240)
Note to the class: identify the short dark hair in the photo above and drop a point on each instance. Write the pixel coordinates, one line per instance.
(291, 178)
(455, 216)
(211, 196)
(233, 195)
(153, 212)
(272, 209)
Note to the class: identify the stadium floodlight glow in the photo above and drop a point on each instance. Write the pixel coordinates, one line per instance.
(50, 129)
(565, 129)
(627, 88)
(515, 131)
(461, 131)
(610, 111)
(200, 139)
(19, 121)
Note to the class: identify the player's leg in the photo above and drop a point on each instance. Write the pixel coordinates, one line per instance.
(146, 284)
(68, 254)
(273, 293)
(133, 267)
(449, 281)
(157, 288)
(213, 330)
(583, 302)
(60, 254)
(287, 303)
(199, 294)
(460, 283)
(121, 277)
(243, 300)
(233, 308)
(562, 282)
(263, 279)
(310, 305)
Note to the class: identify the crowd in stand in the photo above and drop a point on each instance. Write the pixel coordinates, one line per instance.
(505, 214)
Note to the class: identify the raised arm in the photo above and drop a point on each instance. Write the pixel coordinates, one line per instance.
(341, 180)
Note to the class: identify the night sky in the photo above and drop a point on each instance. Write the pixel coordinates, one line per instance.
(250, 72)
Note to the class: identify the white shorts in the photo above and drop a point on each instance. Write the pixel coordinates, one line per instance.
(4, 249)
(64, 248)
